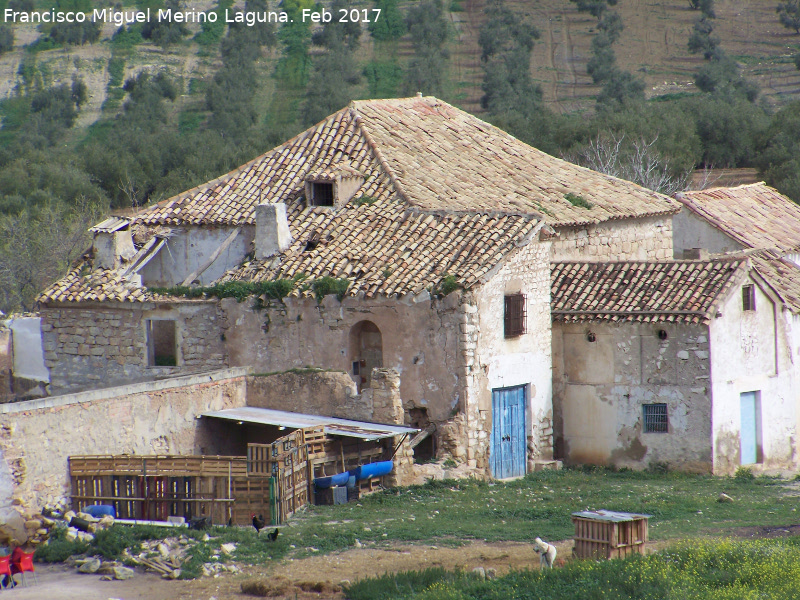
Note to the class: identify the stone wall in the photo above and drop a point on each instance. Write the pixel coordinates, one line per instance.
(105, 344)
(418, 339)
(37, 436)
(626, 239)
(310, 391)
(599, 388)
(492, 361)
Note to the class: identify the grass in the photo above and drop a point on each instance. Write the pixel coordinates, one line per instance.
(455, 512)
(712, 570)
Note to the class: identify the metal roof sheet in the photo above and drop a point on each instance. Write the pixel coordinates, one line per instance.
(110, 225)
(609, 515)
(333, 425)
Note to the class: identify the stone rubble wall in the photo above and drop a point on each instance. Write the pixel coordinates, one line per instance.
(37, 436)
(492, 361)
(105, 344)
(628, 239)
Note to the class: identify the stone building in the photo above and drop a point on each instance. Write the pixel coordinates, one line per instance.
(679, 363)
(397, 233)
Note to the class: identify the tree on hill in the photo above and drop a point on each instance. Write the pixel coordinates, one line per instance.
(427, 26)
(506, 40)
(701, 39)
(596, 8)
(168, 32)
(704, 6)
(390, 25)
(789, 14)
(6, 39)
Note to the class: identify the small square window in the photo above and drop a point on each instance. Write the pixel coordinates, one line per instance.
(514, 319)
(748, 297)
(161, 344)
(322, 194)
(655, 418)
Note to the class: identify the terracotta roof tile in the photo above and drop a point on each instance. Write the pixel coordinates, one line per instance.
(664, 291)
(782, 274)
(388, 251)
(425, 152)
(755, 215)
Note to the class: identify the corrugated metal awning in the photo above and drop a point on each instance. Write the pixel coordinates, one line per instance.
(333, 426)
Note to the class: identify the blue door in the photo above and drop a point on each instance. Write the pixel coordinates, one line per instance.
(749, 432)
(508, 454)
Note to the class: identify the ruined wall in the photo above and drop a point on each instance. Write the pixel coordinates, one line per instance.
(105, 344)
(37, 436)
(329, 393)
(492, 361)
(599, 388)
(750, 353)
(627, 239)
(418, 339)
(189, 248)
(690, 231)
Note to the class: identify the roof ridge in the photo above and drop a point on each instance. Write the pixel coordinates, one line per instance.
(721, 187)
(206, 185)
(359, 121)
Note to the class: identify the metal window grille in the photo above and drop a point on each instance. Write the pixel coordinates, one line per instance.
(748, 297)
(322, 194)
(655, 418)
(515, 318)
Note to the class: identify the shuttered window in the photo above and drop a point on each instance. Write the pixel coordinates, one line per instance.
(748, 297)
(515, 316)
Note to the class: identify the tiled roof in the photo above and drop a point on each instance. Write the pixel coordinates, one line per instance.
(424, 152)
(755, 215)
(782, 274)
(664, 291)
(82, 284)
(392, 252)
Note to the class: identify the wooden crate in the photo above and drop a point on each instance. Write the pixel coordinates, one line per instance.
(608, 534)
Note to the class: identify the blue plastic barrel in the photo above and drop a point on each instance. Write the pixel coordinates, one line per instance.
(100, 510)
(325, 482)
(376, 469)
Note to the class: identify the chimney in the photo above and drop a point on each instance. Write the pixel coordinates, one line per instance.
(695, 254)
(111, 248)
(272, 229)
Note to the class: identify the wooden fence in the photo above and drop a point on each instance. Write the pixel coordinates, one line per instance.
(274, 480)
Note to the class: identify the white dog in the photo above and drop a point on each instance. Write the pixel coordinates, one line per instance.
(547, 552)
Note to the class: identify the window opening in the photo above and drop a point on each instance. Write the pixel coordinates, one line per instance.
(515, 316)
(655, 418)
(322, 194)
(748, 297)
(161, 344)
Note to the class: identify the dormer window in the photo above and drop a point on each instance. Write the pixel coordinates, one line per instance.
(321, 194)
(333, 185)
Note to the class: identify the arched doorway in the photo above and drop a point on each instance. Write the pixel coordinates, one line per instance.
(366, 351)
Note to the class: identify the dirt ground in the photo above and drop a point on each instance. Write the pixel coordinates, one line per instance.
(59, 582)
(297, 579)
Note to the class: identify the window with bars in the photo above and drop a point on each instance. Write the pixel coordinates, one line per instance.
(655, 418)
(322, 194)
(748, 297)
(515, 317)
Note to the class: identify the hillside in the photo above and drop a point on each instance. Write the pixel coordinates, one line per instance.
(652, 45)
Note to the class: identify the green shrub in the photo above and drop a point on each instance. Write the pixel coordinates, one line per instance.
(59, 548)
(329, 285)
(744, 475)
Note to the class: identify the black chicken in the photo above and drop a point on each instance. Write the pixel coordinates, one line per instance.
(273, 535)
(258, 522)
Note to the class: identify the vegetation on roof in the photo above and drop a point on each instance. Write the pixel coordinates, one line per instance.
(577, 200)
(240, 290)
